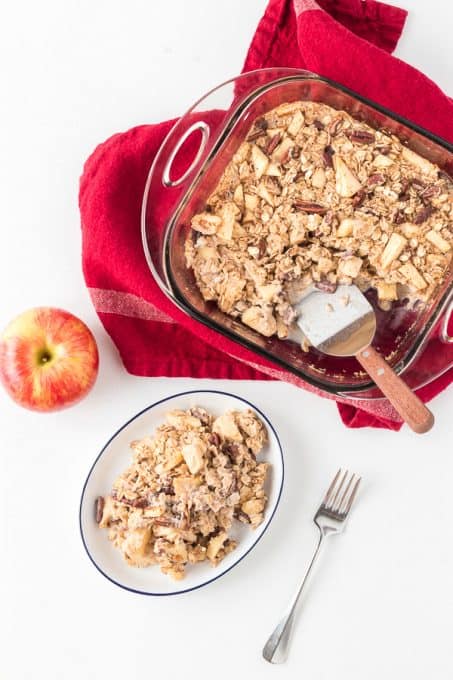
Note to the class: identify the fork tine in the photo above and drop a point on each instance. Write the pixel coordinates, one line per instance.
(352, 496)
(330, 489)
(333, 504)
(345, 492)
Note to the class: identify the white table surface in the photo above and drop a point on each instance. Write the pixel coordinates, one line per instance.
(381, 603)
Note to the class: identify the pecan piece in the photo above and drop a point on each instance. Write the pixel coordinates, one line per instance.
(161, 522)
(404, 193)
(327, 156)
(430, 191)
(136, 503)
(262, 247)
(326, 286)
(399, 217)
(241, 516)
(358, 198)
(232, 450)
(423, 214)
(418, 185)
(258, 130)
(375, 179)
(214, 439)
(167, 489)
(201, 414)
(361, 137)
(254, 135)
(318, 125)
(99, 508)
(273, 142)
(309, 207)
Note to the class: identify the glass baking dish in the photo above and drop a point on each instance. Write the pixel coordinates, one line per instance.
(187, 168)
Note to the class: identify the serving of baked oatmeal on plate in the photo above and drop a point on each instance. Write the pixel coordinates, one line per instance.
(181, 493)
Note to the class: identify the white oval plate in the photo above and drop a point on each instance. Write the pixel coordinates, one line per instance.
(116, 456)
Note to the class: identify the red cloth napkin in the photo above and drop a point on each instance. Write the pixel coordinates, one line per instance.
(349, 41)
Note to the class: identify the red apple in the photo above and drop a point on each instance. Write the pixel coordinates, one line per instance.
(48, 359)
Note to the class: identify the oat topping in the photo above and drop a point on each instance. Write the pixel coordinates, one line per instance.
(177, 501)
(313, 196)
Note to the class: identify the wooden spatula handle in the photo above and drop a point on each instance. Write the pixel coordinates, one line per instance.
(411, 409)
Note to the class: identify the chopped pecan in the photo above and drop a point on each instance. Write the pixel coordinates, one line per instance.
(358, 198)
(214, 439)
(330, 218)
(258, 130)
(241, 516)
(423, 214)
(431, 191)
(254, 135)
(99, 508)
(135, 503)
(361, 136)
(399, 217)
(272, 143)
(232, 450)
(404, 193)
(309, 207)
(163, 522)
(318, 125)
(418, 185)
(201, 414)
(167, 489)
(376, 178)
(262, 247)
(327, 156)
(326, 286)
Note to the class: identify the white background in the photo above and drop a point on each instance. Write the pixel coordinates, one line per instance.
(381, 604)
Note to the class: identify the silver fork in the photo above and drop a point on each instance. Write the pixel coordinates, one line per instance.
(330, 519)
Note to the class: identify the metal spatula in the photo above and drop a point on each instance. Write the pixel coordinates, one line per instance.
(343, 323)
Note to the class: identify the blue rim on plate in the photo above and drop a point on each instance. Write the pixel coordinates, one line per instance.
(137, 415)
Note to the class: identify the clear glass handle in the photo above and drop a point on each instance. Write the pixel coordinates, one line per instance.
(204, 129)
(445, 337)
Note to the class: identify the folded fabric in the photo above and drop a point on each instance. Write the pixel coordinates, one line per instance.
(346, 40)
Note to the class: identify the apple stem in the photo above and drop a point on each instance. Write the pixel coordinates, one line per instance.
(44, 356)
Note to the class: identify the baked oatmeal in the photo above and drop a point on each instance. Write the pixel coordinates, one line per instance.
(177, 501)
(315, 197)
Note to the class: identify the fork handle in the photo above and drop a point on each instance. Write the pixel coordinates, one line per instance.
(411, 409)
(276, 648)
